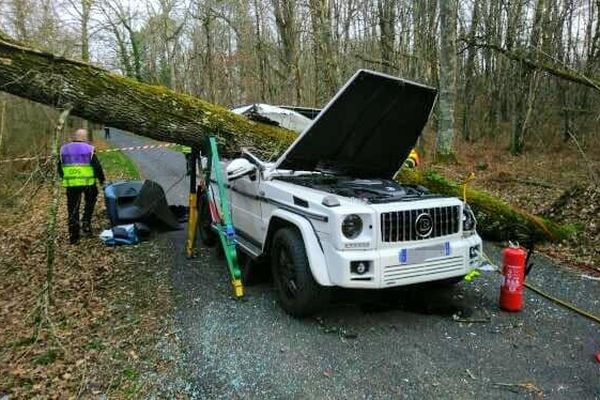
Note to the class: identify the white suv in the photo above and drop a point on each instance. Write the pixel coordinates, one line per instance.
(328, 212)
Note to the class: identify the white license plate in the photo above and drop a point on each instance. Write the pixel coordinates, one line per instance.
(417, 255)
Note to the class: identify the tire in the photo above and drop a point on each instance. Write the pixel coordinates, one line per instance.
(297, 291)
(207, 236)
(247, 268)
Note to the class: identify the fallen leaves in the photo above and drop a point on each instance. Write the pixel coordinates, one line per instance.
(95, 290)
(550, 180)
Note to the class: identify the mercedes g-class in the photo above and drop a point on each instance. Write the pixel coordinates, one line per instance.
(329, 213)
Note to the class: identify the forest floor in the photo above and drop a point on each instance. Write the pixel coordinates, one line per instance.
(553, 179)
(108, 304)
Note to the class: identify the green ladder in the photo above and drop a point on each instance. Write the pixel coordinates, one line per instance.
(220, 212)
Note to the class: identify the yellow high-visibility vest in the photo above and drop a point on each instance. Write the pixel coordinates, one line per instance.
(78, 175)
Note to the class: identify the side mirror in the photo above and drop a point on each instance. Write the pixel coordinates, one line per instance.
(238, 168)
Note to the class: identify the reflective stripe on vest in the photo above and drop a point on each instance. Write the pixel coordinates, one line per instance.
(78, 175)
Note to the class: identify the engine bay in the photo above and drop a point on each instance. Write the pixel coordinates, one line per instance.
(369, 190)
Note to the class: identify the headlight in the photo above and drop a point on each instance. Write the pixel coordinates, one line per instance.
(469, 221)
(352, 226)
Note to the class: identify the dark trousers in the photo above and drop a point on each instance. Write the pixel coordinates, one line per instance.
(74, 194)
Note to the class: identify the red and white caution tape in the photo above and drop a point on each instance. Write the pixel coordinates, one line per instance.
(131, 148)
(136, 148)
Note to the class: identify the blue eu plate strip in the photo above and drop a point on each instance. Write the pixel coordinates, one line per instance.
(403, 256)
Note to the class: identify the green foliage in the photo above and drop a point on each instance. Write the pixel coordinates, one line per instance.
(131, 374)
(47, 358)
(117, 166)
(95, 344)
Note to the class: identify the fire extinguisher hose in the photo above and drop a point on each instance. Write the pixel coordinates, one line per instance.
(565, 304)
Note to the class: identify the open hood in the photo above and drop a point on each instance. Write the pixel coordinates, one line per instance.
(366, 131)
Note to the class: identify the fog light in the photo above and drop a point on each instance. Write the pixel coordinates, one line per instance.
(473, 251)
(359, 267)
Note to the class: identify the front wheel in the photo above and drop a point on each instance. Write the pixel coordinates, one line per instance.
(298, 293)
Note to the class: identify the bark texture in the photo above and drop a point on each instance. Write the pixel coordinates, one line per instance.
(497, 220)
(447, 71)
(151, 111)
(159, 113)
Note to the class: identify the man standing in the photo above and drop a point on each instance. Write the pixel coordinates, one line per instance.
(80, 169)
(106, 133)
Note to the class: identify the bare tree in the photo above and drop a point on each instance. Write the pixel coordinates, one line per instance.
(285, 18)
(327, 72)
(445, 134)
(386, 12)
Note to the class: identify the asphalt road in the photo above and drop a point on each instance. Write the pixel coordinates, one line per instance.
(165, 166)
(375, 345)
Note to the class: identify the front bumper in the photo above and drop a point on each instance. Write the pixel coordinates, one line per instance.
(405, 264)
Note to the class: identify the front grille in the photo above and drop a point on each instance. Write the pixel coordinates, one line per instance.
(395, 273)
(400, 226)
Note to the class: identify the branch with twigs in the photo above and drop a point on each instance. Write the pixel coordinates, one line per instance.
(45, 299)
(526, 58)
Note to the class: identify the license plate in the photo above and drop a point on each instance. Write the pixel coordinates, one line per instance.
(417, 255)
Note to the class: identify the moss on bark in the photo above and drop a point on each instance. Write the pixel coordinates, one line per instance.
(497, 220)
(153, 111)
(159, 113)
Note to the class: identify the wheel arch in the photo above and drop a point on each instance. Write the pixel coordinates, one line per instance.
(314, 252)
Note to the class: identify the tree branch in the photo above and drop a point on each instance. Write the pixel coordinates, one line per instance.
(531, 62)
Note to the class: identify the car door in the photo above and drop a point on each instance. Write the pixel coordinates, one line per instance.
(246, 207)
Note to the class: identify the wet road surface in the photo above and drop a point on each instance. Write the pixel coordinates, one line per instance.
(425, 343)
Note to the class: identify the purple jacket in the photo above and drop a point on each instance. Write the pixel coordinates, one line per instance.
(80, 153)
(76, 153)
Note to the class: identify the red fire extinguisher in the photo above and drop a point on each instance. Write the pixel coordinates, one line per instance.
(514, 260)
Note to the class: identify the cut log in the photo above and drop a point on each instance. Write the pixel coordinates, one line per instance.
(159, 113)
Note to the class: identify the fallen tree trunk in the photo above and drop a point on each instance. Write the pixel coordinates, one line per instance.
(497, 220)
(159, 113)
(153, 111)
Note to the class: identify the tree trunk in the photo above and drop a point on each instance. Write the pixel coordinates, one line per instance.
(386, 10)
(86, 8)
(285, 19)
(162, 114)
(445, 136)
(327, 71)
(209, 61)
(528, 82)
(469, 74)
(496, 219)
(260, 55)
(152, 111)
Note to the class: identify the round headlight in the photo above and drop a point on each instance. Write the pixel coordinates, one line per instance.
(352, 226)
(468, 219)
